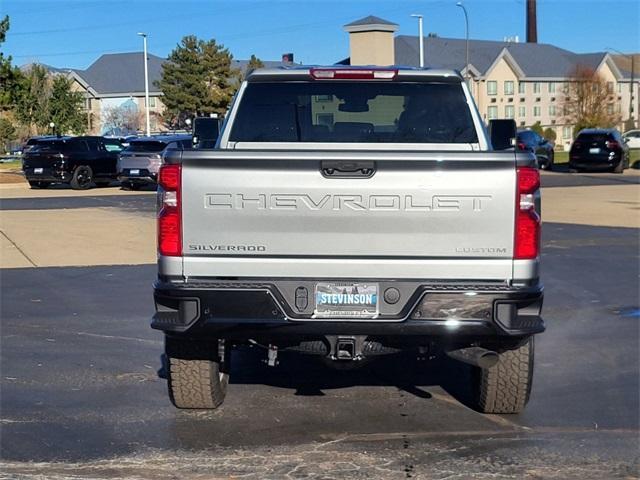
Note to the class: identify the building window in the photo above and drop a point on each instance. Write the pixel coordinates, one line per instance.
(492, 87)
(536, 87)
(522, 87)
(522, 111)
(610, 109)
(618, 108)
(492, 112)
(619, 88)
(87, 103)
(508, 87)
(565, 87)
(566, 132)
(536, 111)
(508, 111)
(152, 102)
(552, 110)
(609, 87)
(552, 87)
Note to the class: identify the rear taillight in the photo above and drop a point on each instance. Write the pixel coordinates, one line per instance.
(353, 74)
(521, 146)
(612, 144)
(527, 231)
(170, 214)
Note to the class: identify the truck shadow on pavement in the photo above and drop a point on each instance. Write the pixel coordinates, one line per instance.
(308, 375)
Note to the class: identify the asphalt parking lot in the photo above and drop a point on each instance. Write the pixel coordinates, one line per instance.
(81, 396)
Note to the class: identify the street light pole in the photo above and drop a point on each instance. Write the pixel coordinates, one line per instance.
(146, 82)
(420, 38)
(466, 23)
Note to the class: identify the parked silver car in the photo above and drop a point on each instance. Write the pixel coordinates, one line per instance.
(138, 164)
(632, 138)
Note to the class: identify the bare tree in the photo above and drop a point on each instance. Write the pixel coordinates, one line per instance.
(122, 119)
(589, 100)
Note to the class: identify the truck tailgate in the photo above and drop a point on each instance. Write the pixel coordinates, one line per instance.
(420, 215)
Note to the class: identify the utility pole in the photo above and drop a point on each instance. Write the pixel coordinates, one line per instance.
(633, 122)
(146, 82)
(420, 38)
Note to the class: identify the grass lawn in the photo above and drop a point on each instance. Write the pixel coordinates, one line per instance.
(563, 157)
(14, 165)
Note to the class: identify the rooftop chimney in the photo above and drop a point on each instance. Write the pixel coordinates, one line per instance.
(532, 22)
(371, 41)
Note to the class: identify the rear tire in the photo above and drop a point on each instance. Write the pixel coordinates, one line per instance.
(196, 376)
(619, 168)
(82, 178)
(549, 166)
(35, 184)
(505, 387)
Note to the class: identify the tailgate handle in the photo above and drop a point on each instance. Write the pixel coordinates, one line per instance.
(345, 169)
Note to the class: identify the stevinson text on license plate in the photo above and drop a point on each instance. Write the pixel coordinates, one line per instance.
(346, 300)
(37, 170)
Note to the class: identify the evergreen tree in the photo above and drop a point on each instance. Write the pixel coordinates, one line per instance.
(7, 133)
(33, 98)
(65, 107)
(10, 76)
(549, 133)
(537, 127)
(254, 62)
(197, 79)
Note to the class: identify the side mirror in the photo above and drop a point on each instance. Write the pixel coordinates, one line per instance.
(502, 133)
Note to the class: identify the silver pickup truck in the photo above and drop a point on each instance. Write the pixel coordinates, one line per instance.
(350, 212)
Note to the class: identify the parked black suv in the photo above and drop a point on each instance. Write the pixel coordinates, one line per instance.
(78, 161)
(599, 149)
(530, 141)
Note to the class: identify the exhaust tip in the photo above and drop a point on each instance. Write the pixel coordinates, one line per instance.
(488, 359)
(476, 356)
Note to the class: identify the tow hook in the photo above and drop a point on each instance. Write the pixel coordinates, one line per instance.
(272, 356)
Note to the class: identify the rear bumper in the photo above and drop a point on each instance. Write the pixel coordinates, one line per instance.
(596, 163)
(47, 175)
(274, 310)
(144, 176)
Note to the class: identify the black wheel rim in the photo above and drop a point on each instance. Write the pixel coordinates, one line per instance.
(83, 176)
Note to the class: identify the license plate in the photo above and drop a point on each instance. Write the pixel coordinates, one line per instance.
(134, 172)
(594, 150)
(37, 170)
(346, 300)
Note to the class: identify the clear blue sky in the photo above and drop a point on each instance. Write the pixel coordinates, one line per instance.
(73, 33)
